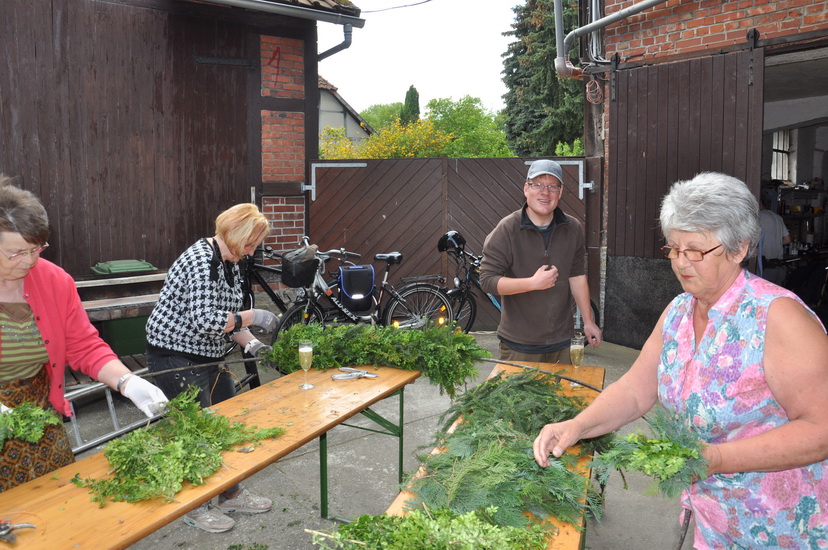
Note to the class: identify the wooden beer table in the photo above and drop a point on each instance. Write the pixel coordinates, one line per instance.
(66, 517)
(567, 536)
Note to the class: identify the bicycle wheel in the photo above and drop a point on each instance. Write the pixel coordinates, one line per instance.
(298, 314)
(576, 313)
(463, 307)
(417, 305)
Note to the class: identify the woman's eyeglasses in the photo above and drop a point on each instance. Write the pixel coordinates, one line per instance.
(18, 256)
(691, 253)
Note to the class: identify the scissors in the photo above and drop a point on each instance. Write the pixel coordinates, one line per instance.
(6, 528)
(349, 373)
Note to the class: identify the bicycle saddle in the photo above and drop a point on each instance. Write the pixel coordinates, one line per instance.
(392, 258)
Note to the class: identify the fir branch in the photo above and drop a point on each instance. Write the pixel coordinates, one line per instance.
(527, 401)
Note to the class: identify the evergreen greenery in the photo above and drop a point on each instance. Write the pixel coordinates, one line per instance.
(445, 356)
(410, 111)
(672, 456)
(425, 530)
(185, 446)
(541, 109)
(487, 461)
(27, 421)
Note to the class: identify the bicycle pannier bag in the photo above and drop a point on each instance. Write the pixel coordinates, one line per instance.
(357, 287)
(299, 266)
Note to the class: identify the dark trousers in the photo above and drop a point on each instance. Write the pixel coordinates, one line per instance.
(215, 386)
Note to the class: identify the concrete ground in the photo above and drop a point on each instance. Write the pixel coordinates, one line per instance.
(363, 480)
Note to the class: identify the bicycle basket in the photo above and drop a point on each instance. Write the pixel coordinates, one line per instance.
(299, 267)
(357, 287)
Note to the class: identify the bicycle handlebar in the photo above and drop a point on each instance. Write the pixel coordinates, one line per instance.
(341, 252)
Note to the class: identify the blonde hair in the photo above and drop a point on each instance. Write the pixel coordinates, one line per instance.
(238, 223)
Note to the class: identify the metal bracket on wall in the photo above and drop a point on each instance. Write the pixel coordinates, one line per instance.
(315, 165)
(581, 168)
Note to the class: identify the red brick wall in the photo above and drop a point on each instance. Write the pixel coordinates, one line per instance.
(287, 221)
(283, 138)
(682, 26)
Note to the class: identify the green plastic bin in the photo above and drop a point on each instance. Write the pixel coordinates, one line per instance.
(120, 267)
(126, 336)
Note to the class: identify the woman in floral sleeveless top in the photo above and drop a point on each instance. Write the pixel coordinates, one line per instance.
(744, 364)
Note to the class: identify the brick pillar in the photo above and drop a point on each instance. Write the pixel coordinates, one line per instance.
(283, 138)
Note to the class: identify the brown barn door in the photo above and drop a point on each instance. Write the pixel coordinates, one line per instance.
(670, 122)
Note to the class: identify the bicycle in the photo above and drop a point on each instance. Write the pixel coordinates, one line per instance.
(412, 306)
(467, 279)
(254, 271)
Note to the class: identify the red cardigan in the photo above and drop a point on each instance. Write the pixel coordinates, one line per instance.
(67, 333)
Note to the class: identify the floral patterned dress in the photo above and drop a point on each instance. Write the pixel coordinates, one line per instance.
(719, 389)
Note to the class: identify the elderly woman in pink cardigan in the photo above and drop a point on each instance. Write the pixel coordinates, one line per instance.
(43, 328)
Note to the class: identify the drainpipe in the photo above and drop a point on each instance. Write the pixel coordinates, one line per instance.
(562, 64)
(347, 31)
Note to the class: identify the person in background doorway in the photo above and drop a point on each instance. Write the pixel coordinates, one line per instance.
(741, 362)
(535, 259)
(43, 328)
(199, 305)
(773, 237)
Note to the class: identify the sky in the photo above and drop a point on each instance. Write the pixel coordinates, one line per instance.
(445, 48)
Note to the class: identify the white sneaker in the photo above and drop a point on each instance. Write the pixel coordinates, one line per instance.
(244, 502)
(210, 519)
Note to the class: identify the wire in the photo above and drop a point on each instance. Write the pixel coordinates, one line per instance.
(594, 92)
(398, 7)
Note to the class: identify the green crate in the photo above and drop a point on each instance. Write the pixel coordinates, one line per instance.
(126, 336)
(122, 266)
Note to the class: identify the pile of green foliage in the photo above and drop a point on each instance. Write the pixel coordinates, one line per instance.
(423, 529)
(27, 421)
(185, 446)
(445, 356)
(673, 456)
(487, 461)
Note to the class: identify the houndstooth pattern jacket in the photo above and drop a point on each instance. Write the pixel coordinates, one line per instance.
(198, 294)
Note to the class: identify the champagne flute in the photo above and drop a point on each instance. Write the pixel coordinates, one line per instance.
(305, 360)
(576, 353)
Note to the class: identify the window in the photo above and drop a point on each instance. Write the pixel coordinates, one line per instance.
(783, 162)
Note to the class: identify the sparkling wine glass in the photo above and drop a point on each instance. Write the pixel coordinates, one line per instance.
(576, 353)
(305, 360)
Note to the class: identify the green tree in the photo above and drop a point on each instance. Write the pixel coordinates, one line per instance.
(410, 111)
(563, 149)
(541, 109)
(381, 115)
(334, 144)
(475, 131)
(420, 139)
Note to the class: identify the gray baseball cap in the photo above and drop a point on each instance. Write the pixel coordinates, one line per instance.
(545, 166)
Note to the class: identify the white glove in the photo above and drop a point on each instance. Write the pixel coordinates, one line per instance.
(145, 395)
(254, 346)
(264, 319)
(4, 409)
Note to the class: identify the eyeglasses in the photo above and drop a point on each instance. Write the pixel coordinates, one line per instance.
(18, 256)
(540, 187)
(691, 253)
